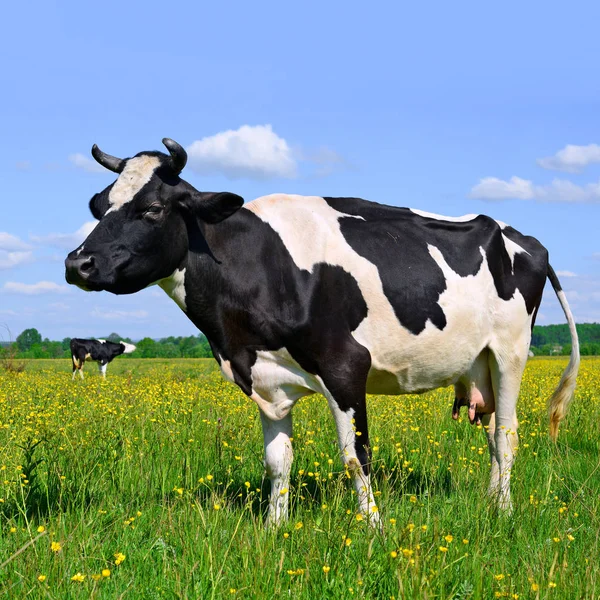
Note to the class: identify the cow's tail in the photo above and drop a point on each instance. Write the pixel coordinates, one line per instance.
(559, 402)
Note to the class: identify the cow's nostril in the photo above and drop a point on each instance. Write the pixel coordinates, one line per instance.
(87, 266)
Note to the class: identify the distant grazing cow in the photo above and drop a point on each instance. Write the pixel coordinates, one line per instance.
(303, 294)
(99, 350)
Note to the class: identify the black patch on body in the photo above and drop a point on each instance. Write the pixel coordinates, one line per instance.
(253, 296)
(396, 240)
(101, 352)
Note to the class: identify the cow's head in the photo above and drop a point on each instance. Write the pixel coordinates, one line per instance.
(146, 218)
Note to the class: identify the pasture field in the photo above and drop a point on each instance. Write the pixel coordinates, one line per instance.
(150, 485)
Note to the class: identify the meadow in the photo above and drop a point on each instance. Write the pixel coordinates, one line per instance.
(150, 484)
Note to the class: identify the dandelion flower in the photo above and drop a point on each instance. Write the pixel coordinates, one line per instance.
(105, 572)
(78, 577)
(41, 578)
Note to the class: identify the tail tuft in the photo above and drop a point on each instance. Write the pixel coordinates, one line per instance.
(559, 402)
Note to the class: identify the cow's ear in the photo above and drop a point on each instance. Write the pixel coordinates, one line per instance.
(99, 204)
(212, 207)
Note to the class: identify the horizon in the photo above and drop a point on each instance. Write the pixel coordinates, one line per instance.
(448, 118)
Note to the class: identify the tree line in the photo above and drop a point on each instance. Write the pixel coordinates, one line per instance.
(556, 339)
(30, 344)
(546, 340)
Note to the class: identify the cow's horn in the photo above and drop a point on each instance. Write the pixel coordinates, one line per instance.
(112, 163)
(178, 154)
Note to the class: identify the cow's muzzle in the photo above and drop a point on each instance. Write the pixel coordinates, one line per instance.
(79, 269)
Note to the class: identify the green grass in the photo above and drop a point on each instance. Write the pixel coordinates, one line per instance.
(162, 462)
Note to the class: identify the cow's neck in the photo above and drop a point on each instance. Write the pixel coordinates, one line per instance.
(206, 284)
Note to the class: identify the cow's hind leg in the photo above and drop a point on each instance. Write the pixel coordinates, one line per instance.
(75, 362)
(278, 463)
(489, 423)
(506, 375)
(345, 384)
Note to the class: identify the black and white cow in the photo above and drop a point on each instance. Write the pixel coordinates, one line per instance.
(340, 296)
(99, 350)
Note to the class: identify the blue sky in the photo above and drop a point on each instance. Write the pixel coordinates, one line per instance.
(452, 108)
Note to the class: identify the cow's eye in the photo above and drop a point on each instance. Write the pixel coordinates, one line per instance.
(153, 211)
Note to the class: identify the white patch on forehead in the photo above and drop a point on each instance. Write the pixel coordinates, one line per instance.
(129, 348)
(137, 173)
(101, 341)
(174, 286)
(512, 248)
(429, 215)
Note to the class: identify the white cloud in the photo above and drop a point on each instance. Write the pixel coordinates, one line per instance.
(68, 241)
(11, 242)
(492, 188)
(8, 260)
(23, 165)
(118, 315)
(256, 152)
(87, 164)
(572, 159)
(560, 190)
(566, 274)
(34, 289)
(583, 294)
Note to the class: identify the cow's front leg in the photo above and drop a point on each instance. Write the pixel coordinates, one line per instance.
(278, 463)
(345, 379)
(353, 438)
